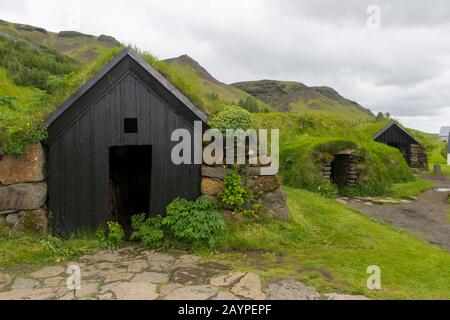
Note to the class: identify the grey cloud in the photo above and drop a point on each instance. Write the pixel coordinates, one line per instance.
(399, 13)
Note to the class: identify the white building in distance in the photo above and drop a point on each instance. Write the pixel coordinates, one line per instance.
(443, 134)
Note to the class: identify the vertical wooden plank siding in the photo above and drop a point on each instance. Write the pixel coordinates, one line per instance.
(79, 156)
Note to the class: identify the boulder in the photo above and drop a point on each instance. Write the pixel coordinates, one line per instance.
(254, 171)
(28, 167)
(211, 187)
(12, 219)
(263, 184)
(34, 222)
(26, 196)
(6, 212)
(215, 172)
(274, 206)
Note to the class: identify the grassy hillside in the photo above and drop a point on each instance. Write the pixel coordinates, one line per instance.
(81, 47)
(289, 96)
(216, 93)
(34, 81)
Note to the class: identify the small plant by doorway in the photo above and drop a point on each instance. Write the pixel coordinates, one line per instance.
(130, 170)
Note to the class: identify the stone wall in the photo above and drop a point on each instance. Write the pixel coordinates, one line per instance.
(266, 189)
(418, 157)
(23, 190)
(346, 174)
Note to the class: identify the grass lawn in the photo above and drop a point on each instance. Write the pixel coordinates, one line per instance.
(25, 253)
(329, 246)
(411, 189)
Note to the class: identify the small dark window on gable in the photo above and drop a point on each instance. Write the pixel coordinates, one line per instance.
(130, 125)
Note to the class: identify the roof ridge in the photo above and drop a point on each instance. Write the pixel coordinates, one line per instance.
(110, 65)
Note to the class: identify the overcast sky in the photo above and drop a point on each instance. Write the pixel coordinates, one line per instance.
(396, 61)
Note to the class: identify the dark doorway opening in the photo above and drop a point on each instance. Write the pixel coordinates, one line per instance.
(130, 181)
(339, 169)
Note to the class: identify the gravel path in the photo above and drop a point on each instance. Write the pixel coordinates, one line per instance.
(425, 217)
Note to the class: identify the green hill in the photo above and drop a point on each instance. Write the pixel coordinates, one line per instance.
(78, 46)
(309, 141)
(39, 70)
(216, 93)
(289, 96)
(34, 80)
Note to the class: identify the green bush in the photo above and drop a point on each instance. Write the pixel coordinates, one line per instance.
(231, 117)
(188, 224)
(112, 237)
(195, 224)
(234, 194)
(150, 231)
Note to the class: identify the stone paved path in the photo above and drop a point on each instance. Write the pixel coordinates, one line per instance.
(132, 273)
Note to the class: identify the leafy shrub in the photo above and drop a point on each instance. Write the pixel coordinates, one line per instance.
(253, 211)
(231, 117)
(189, 224)
(111, 237)
(234, 194)
(150, 231)
(195, 224)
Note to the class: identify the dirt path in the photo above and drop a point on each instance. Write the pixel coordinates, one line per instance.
(425, 217)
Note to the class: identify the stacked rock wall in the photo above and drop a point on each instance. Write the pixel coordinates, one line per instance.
(23, 190)
(419, 158)
(342, 170)
(266, 189)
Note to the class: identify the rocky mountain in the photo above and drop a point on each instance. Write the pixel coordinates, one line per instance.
(81, 47)
(290, 96)
(215, 91)
(264, 95)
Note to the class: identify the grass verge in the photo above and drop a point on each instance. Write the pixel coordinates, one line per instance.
(329, 246)
(21, 253)
(411, 189)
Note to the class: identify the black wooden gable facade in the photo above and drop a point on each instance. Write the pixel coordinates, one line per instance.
(397, 137)
(109, 148)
